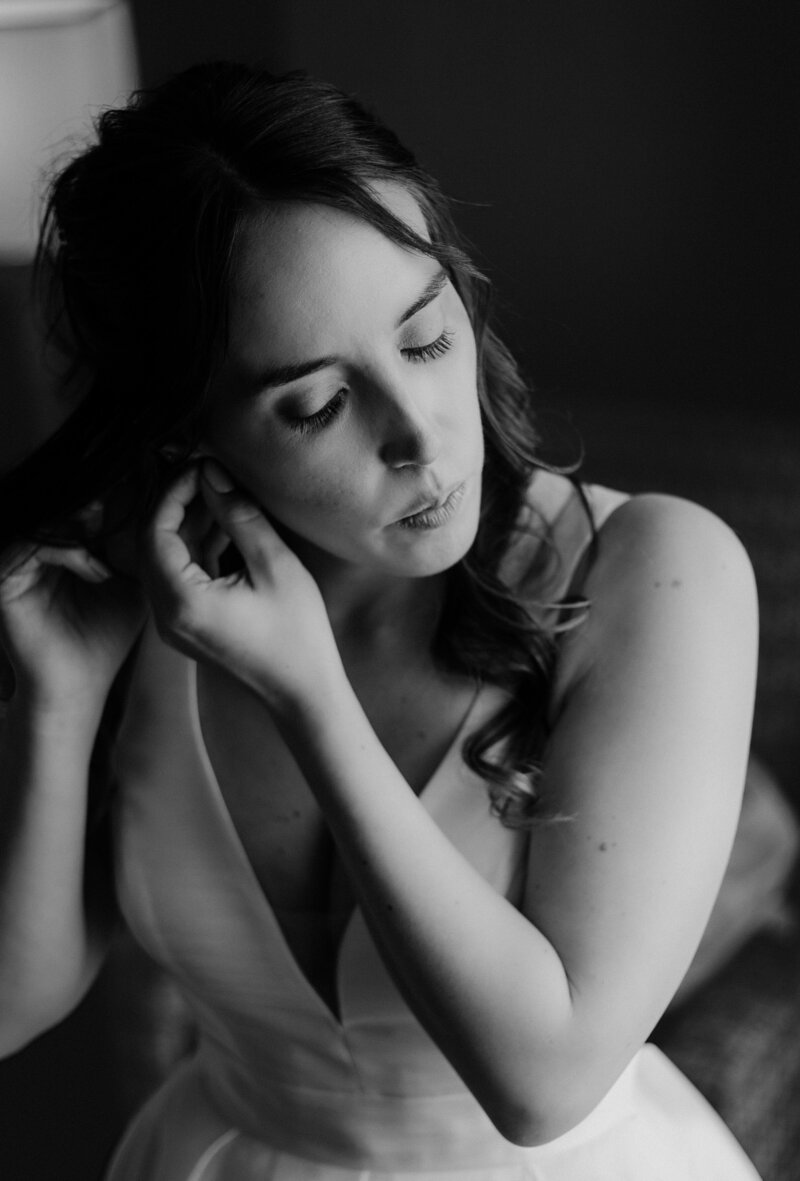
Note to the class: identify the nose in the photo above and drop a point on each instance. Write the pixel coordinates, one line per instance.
(410, 437)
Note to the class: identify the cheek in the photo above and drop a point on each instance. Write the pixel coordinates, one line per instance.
(247, 449)
(288, 482)
(320, 496)
(467, 392)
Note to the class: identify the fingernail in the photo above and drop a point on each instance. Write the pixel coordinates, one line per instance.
(217, 477)
(98, 567)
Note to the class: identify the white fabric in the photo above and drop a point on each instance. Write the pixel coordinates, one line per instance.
(282, 1089)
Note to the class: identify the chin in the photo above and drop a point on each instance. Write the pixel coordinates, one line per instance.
(433, 553)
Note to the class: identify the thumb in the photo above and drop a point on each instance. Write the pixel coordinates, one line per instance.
(240, 517)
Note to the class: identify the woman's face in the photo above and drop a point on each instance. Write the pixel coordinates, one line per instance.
(348, 399)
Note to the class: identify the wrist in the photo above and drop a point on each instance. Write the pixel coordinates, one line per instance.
(296, 700)
(45, 711)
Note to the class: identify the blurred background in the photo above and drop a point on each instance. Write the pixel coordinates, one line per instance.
(627, 175)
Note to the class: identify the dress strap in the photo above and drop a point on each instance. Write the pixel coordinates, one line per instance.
(575, 531)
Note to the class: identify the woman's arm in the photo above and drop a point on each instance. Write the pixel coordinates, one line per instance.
(654, 707)
(66, 627)
(52, 920)
(538, 1010)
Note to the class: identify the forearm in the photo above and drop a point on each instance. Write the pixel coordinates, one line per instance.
(487, 985)
(47, 955)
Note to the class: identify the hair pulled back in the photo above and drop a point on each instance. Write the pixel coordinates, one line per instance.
(138, 243)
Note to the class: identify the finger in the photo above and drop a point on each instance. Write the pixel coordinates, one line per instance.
(241, 519)
(76, 559)
(171, 509)
(24, 564)
(165, 543)
(197, 523)
(197, 527)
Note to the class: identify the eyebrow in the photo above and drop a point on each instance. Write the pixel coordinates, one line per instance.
(436, 284)
(284, 374)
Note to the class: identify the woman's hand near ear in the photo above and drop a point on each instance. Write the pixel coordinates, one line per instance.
(266, 623)
(66, 624)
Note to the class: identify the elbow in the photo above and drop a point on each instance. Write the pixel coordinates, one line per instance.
(530, 1126)
(519, 1124)
(547, 1105)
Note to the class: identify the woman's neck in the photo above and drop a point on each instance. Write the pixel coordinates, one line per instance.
(377, 613)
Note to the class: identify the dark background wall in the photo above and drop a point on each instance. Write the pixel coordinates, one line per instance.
(628, 166)
(627, 175)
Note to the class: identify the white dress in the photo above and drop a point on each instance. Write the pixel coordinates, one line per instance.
(281, 1088)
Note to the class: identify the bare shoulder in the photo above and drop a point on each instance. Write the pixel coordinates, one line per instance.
(654, 543)
(665, 572)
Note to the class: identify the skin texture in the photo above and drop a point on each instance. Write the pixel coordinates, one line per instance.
(315, 283)
(319, 652)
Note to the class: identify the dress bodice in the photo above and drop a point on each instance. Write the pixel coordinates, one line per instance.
(268, 1040)
(280, 1086)
(193, 901)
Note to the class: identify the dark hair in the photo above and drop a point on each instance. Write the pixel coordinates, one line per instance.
(138, 243)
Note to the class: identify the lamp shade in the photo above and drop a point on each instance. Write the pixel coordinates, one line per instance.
(60, 60)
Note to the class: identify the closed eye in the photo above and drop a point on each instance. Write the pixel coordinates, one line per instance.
(415, 354)
(429, 352)
(320, 419)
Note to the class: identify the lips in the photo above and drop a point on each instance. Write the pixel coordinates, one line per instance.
(429, 503)
(434, 512)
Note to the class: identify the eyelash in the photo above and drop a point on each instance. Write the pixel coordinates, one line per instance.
(429, 352)
(315, 422)
(426, 352)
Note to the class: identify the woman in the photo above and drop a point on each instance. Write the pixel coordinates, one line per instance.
(430, 759)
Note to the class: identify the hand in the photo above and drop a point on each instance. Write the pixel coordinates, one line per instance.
(66, 625)
(266, 623)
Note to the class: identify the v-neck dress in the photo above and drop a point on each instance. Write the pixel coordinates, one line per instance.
(282, 1089)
